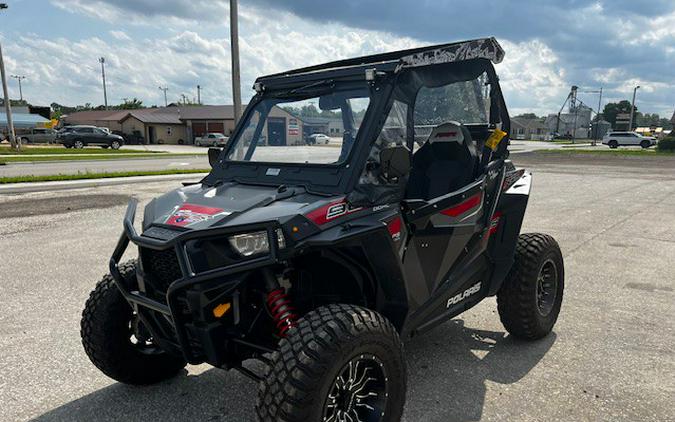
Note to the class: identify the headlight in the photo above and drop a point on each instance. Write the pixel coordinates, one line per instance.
(255, 243)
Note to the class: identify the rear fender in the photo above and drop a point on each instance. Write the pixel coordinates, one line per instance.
(505, 228)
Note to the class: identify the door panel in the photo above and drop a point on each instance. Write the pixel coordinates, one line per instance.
(442, 228)
(445, 264)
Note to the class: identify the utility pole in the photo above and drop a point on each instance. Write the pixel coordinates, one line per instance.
(164, 89)
(199, 94)
(105, 93)
(234, 42)
(632, 108)
(8, 106)
(19, 78)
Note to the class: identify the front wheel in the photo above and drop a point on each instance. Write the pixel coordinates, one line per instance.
(78, 144)
(115, 145)
(529, 301)
(116, 340)
(645, 144)
(340, 363)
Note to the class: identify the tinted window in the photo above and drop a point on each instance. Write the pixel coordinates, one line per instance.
(85, 130)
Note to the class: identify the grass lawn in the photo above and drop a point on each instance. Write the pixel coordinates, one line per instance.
(34, 149)
(81, 176)
(651, 152)
(59, 157)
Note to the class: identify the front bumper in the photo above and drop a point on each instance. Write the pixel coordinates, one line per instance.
(182, 324)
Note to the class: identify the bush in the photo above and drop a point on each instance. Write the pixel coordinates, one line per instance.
(667, 144)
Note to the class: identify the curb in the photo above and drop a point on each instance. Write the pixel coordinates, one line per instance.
(12, 188)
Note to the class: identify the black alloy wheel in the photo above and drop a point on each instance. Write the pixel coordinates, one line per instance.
(359, 392)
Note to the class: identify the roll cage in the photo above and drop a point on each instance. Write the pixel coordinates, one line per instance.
(389, 76)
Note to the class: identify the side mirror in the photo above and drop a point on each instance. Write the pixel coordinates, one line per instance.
(394, 162)
(214, 153)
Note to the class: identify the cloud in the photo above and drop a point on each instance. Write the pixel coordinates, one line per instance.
(550, 45)
(137, 11)
(120, 35)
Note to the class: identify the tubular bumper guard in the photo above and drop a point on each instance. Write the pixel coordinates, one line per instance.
(189, 277)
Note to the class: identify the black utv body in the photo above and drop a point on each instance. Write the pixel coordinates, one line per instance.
(320, 260)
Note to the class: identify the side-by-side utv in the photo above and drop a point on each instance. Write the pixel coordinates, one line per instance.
(320, 260)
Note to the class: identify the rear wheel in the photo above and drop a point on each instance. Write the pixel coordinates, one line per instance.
(529, 301)
(78, 144)
(116, 340)
(341, 363)
(613, 144)
(25, 141)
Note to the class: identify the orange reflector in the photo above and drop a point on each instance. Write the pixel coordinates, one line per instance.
(295, 229)
(221, 309)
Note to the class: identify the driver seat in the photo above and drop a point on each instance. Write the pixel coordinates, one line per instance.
(446, 162)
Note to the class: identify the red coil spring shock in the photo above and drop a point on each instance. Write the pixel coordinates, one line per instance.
(282, 311)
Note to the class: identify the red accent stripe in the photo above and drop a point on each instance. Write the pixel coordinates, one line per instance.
(321, 215)
(468, 204)
(494, 223)
(394, 226)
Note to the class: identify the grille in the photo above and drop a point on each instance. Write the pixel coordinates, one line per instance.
(162, 267)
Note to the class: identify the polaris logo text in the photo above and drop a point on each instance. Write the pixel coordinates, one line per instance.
(461, 296)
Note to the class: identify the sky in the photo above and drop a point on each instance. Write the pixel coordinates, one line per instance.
(550, 45)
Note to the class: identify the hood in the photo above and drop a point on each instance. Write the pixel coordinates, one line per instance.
(200, 206)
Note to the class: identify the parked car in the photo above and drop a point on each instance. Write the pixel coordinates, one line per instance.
(38, 136)
(617, 139)
(134, 138)
(318, 138)
(211, 140)
(81, 136)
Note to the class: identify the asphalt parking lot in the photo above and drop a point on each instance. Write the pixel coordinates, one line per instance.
(611, 356)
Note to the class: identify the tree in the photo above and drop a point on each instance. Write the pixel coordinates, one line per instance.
(612, 109)
(132, 104)
(531, 116)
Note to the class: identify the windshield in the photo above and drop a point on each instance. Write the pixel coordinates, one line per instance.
(279, 130)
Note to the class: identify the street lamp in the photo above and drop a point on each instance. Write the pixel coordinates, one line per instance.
(632, 108)
(8, 106)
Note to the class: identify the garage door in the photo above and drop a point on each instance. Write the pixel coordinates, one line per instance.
(198, 129)
(216, 127)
